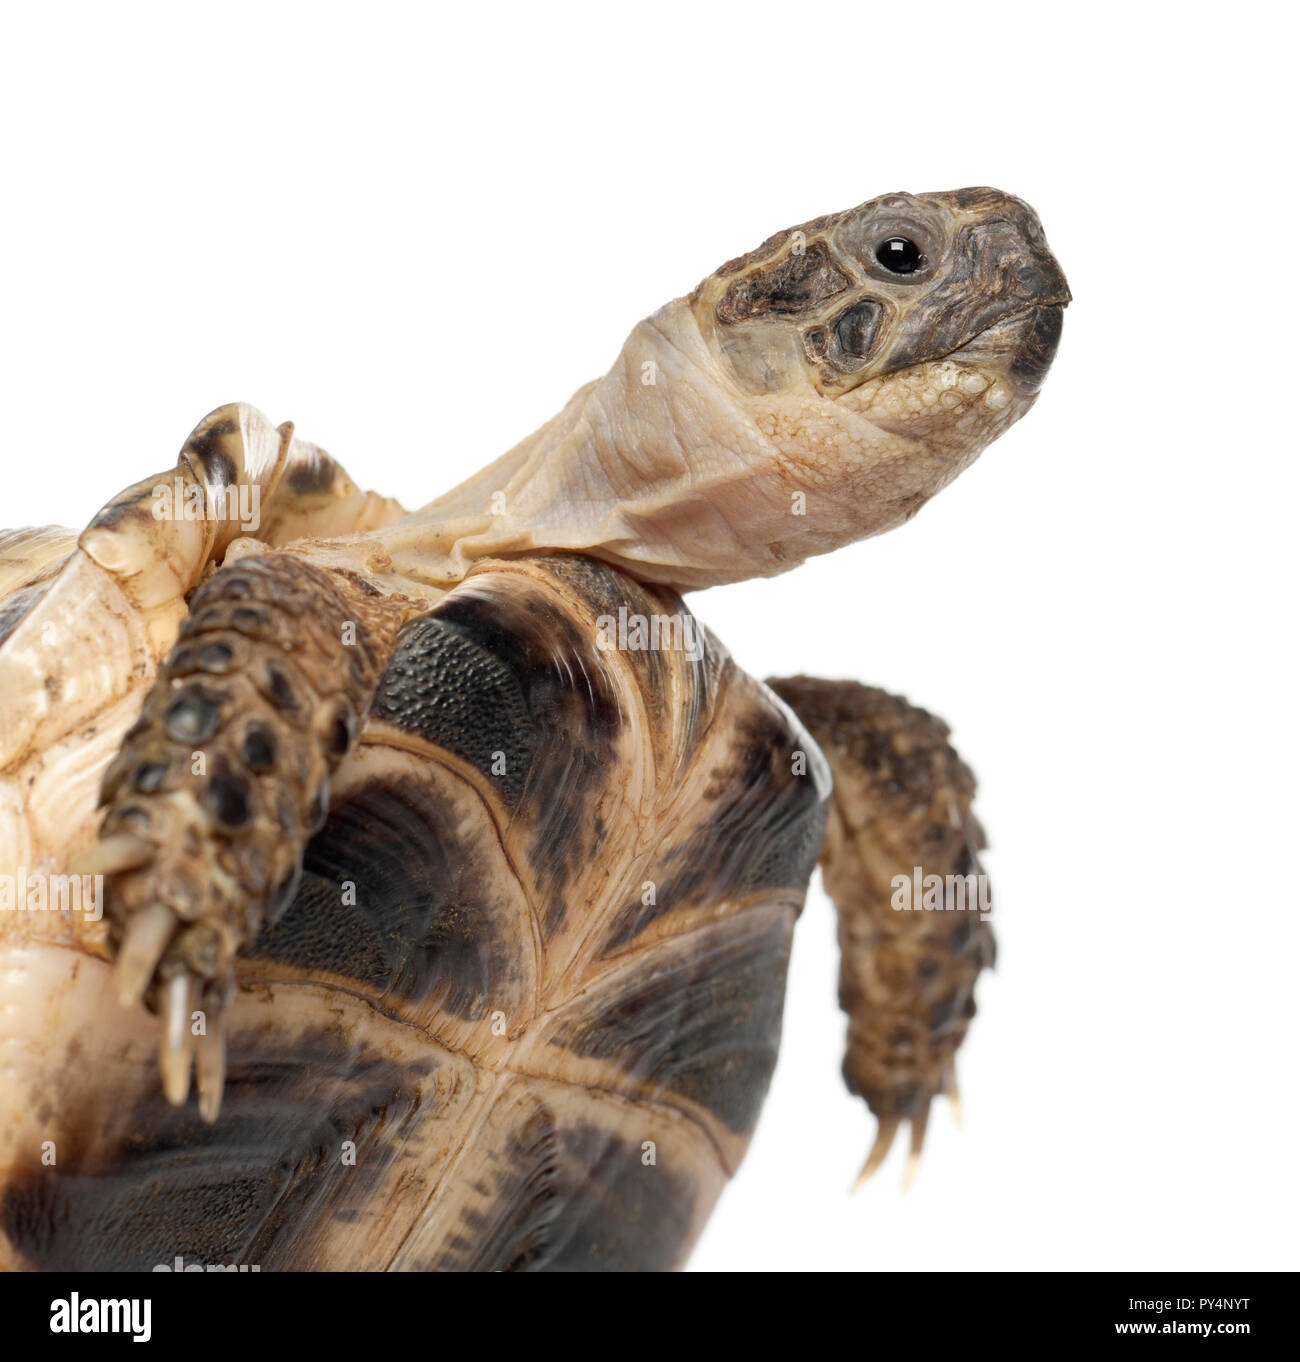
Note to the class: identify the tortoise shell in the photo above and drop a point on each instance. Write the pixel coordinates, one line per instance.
(477, 851)
(525, 1005)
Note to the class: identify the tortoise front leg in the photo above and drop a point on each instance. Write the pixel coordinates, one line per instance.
(221, 783)
(901, 847)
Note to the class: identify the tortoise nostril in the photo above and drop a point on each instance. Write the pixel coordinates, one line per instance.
(856, 329)
(1042, 280)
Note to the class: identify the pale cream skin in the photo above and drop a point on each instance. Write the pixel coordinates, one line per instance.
(691, 482)
(710, 454)
(712, 451)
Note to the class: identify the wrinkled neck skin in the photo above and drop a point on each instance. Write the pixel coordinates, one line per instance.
(666, 468)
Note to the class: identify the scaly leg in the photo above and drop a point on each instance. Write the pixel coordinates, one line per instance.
(223, 780)
(900, 814)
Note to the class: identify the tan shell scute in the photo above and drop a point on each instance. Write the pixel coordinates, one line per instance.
(545, 1013)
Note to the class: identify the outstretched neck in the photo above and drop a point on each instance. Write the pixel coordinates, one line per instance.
(666, 468)
(659, 467)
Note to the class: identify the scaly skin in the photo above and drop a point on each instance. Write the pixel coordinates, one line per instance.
(223, 781)
(901, 807)
(683, 463)
(802, 397)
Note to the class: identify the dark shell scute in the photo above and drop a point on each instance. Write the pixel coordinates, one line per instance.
(418, 916)
(573, 1197)
(229, 1193)
(444, 686)
(699, 1017)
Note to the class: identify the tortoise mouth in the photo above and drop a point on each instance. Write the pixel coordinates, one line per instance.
(1023, 343)
(1037, 347)
(1019, 340)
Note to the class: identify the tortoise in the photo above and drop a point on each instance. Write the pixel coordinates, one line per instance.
(448, 850)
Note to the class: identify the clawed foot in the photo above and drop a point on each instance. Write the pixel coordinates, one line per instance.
(919, 1120)
(182, 971)
(191, 1006)
(220, 785)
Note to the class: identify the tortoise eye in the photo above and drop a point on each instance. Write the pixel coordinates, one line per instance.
(899, 255)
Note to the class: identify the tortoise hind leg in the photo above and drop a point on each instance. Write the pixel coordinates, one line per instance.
(900, 861)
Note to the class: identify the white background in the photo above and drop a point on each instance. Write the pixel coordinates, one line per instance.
(414, 230)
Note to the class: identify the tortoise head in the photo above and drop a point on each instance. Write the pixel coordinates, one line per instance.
(934, 316)
(811, 393)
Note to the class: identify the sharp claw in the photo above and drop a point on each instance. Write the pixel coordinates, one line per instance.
(142, 946)
(180, 996)
(112, 856)
(885, 1133)
(919, 1124)
(210, 1064)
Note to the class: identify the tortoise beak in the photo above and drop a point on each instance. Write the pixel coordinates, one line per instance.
(1042, 281)
(1037, 345)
